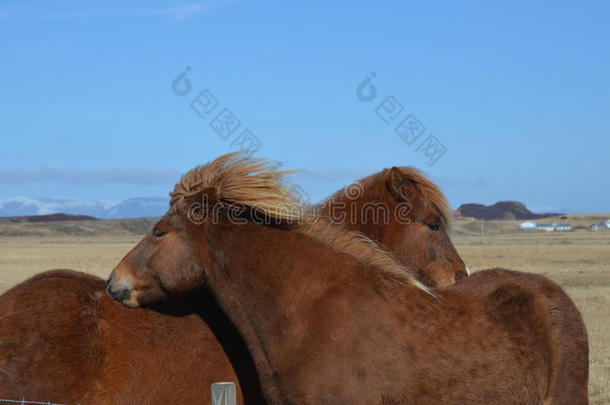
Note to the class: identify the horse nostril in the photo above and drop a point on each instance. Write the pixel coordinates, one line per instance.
(109, 282)
(119, 294)
(122, 294)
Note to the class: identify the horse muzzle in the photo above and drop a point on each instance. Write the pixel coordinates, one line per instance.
(119, 290)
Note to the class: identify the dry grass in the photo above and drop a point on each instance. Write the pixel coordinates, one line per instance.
(579, 261)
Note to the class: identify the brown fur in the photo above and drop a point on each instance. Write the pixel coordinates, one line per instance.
(64, 340)
(398, 205)
(325, 328)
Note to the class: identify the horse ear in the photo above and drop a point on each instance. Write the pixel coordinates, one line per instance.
(401, 188)
(200, 204)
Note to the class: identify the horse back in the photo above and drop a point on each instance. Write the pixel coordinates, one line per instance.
(521, 302)
(48, 326)
(63, 340)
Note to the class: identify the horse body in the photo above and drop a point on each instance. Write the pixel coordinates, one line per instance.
(331, 333)
(66, 341)
(35, 370)
(514, 297)
(328, 318)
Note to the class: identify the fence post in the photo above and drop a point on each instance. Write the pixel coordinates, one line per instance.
(223, 393)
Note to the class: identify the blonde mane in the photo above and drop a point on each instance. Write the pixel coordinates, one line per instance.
(360, 247)
(241, 180)
(256, 183)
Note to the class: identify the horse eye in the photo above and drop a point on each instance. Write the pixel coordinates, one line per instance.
(434, 226)
(158, 233)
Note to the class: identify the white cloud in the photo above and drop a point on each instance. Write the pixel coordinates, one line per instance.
(134, 175)
(335, 174)
(183, 12)
(177, 13)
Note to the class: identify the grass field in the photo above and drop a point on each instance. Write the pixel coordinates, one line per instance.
(579, 261)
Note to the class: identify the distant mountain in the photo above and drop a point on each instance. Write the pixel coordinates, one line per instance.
(138, 207)
(130, 208)
(24, 206)
(500, 210)
(47, 218)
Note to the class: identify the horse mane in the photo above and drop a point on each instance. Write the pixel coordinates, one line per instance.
(360, 247)
(426, 188)
(238, 179)
(256, 183)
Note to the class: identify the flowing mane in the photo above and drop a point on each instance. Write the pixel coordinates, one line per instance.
(241, 180)
(256, 183)
(427, 189)
(357, 245)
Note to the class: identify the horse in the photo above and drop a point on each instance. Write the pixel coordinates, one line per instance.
(329, 317)
(61, 333)
(401, 205)
(64, 341)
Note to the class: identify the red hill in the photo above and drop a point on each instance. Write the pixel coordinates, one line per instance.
(500, 210)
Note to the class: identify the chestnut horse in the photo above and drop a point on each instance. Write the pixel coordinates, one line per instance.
(329, 318)
(64, 340)
(379, 206)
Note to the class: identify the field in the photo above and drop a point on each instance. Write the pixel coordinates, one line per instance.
(579, 261)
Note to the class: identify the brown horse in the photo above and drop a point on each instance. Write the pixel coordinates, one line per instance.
(330, 318)
(64, 340)
(404, 212)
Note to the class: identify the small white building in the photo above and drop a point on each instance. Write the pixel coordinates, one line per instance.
(554, 227)
(527, 226)
(546, 227)
(601, 225)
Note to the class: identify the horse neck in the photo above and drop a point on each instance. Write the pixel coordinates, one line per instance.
(267, 280)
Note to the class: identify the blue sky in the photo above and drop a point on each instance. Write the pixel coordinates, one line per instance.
(517, 93)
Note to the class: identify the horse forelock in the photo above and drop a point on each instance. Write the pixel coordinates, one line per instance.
(430, 192)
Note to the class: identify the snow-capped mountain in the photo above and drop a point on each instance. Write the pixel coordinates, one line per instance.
(130, 208)
(138, 207)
